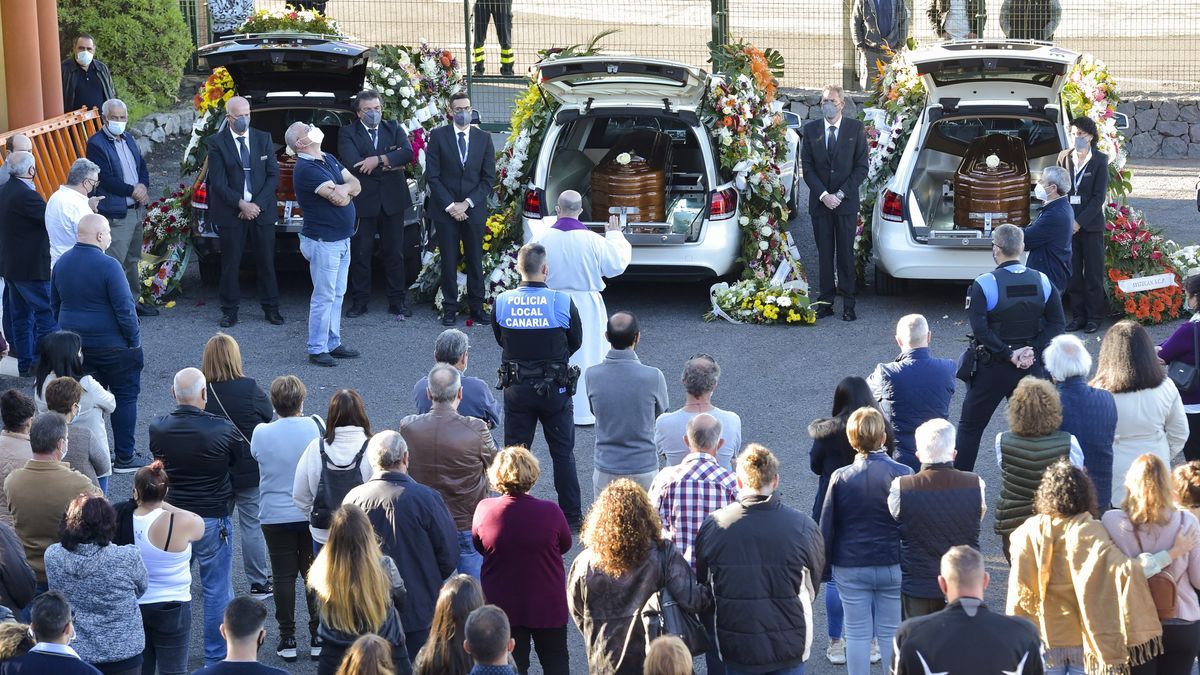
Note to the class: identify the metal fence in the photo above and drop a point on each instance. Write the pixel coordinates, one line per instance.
(1149, 46)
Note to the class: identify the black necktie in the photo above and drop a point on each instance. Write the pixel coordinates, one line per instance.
(245, 153)
(374, 138)
(462, 146)
(830, 140)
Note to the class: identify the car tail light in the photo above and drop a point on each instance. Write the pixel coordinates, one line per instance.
(533, 203)
(200, 196)
(893, 206)
(723, 204)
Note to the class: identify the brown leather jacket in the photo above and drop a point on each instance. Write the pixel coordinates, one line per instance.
(451, 454)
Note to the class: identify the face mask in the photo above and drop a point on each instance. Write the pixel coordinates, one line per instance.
(33, 173)
(116, 128)
(372, 118)
(240, 124)
(462, 118)
(1081, 143)
(829, 110)
(1039, 192)
(84, 58)
(315, 136)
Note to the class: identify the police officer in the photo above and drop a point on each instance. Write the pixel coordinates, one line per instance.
(1015, 312)
(538, 329)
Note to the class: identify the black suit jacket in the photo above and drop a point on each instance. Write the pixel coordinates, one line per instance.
(1092, 190)
(24, 243)
(198, 448)
(225, 177)
(244, 403)
(845, 171)
(452, 181)
(383, 192)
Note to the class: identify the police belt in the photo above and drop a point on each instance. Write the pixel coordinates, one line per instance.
(539, 371)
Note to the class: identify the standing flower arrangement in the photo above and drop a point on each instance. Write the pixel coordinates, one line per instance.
(744, 117)
(166, 247)
(209, 103)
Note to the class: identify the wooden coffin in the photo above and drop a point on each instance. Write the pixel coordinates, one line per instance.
(1001, 191)
(286, 192)
(641, 183)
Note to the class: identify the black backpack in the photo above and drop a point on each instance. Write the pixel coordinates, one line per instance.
(336, 482)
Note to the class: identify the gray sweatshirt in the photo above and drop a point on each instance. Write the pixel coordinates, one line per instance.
(626, 397)
(103, 584)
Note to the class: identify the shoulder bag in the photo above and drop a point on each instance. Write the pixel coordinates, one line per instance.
(1186, 376)
(1162, 585)
(662, 615)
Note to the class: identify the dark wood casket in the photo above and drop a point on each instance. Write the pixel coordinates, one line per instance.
(285, 192)
(641, 183)
(1001, 192)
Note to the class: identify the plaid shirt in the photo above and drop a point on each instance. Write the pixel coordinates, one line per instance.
(686, 493)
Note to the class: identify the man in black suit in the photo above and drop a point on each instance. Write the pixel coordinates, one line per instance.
(833, 153)
(460, 168)
(242, 176)
(376, 152)
(25, 260)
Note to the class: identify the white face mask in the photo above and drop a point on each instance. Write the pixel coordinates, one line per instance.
(1039, 192)
(116, 128)
(315, 137)
(84, 58)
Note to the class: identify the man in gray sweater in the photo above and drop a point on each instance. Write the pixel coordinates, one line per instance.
(626, 397)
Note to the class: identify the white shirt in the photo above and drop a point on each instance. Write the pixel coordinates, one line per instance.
(836, 127)
(245, 137)
(466, 135)
(63, 211)
(957, 25)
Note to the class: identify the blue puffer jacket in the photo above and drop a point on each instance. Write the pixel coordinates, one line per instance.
(858, 528)
(913, 389)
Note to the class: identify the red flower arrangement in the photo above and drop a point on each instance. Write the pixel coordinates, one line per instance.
(1133, 249)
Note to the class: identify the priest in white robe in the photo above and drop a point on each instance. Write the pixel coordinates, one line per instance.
(578, 260)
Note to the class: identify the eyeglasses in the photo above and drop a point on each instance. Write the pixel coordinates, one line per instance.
(461, 108)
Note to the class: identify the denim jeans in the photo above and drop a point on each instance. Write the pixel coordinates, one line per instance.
(865, 590)
(119, 369)
(1066, 669)
(794, 670)
(329, 266)
(32, 320)
(214, 553)
(291, 548)
(469, 560)
(254, 548)
(833, 610)
(168, 625)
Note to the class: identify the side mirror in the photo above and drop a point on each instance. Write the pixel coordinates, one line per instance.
(793, 120)
(1121, 120)
(475, 119)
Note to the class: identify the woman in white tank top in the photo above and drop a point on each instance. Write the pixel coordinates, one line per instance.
(164, 536)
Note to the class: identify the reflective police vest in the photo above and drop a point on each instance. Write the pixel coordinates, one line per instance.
(1016, 298)
(533, 308)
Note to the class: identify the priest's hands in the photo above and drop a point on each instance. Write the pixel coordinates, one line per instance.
(613, 225)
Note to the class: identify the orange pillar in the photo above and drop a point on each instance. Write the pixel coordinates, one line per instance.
(22, 63)
(47, 18)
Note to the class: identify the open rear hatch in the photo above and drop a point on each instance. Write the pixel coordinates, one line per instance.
(993, 71)
(295, 66)
(623, 81)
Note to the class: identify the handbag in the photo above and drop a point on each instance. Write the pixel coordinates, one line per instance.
(662, 615)
(1186, 376)
(1162, 585)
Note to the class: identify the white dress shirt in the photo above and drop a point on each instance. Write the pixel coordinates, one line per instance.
(462, 156)
(63, 211)
(245, 137)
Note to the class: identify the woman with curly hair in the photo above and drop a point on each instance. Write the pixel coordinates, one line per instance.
(1150, 413)
(622, 566)
(369, 655)
(1032, 443)
(102, 582)
(444, 654)
(1089, 600)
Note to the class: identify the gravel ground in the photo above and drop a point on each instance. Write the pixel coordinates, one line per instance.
(777, 379)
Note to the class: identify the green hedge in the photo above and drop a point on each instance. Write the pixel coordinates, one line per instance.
(145, 43)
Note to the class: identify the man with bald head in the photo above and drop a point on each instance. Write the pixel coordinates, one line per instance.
(25, 260)
(90, 296)
(198, 448)
(579, 260)
(242, 176)
(626, 397)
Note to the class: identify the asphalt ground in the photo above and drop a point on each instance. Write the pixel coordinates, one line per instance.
(777, 378)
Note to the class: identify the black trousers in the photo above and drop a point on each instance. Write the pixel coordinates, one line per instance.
(450, 233)
(835, 249)
(991, 384)
(551, 646)
(523, 409)
(1181, 643)
(290, 547)
(391, 254)
(1191, 449)
(911, 606)
(1089, 302)
(499, 11)
(234, 237)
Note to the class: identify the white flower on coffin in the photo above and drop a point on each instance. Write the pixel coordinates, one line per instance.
(785, 301)
(992, 161)
(770, 299)
(624, 158)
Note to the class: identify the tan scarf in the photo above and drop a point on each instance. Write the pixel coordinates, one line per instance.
(1111, 600)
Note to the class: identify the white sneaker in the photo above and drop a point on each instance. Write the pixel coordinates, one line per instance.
(836, 653)
(875, 658)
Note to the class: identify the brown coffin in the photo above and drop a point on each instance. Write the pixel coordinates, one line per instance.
(1002, 191)
(641, 183)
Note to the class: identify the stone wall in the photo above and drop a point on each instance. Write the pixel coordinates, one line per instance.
(1159, 128)
(157, 127)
